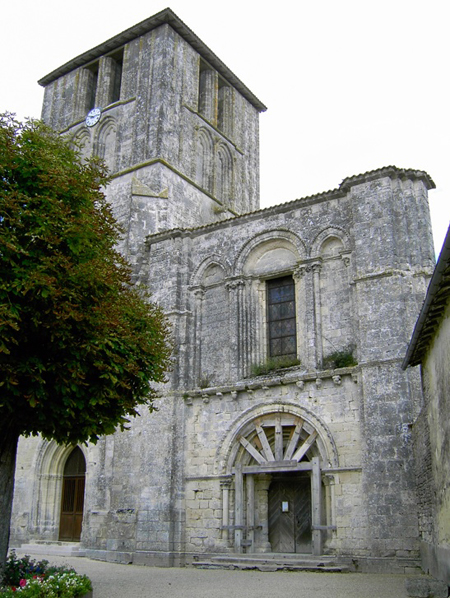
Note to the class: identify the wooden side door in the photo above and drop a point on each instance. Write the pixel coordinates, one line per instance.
(303, 516)
(290, 515)
(72, 501)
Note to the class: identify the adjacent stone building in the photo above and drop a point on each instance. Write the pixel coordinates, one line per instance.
(430, 347)
(286, 424)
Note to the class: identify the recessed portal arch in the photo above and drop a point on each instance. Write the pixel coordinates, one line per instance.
(274, 458)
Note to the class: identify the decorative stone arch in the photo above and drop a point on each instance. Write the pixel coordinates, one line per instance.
(267, 440)
(229, 452)
(105, 142)
(204, 153)
(332, 283)
(256, 247)
(328, 235)
(270, 255)
(50, 462)
(82, 142)
(223, 179)
(209, 356)
(200, 271)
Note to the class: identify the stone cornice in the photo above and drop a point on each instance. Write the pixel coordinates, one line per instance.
(290, 376)
(343, 190)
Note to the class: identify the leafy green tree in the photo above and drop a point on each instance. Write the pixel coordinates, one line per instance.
(79, 346)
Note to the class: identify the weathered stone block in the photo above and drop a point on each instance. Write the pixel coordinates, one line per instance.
(426, 587)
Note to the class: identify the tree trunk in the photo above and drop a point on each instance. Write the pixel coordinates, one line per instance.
(8, 451)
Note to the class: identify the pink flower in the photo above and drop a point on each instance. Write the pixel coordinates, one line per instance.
(22, 583)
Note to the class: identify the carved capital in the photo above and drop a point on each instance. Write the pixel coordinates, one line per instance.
(198, 293)
(231, 285)
(299, 272)
(316, 267)
(346, 259)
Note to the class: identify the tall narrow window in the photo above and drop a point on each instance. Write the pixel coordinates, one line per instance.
(116, 75)
(224, 107)
(281, 317)
(206, 91)
(92, 82)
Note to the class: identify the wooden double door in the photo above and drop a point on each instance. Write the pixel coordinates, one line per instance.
(72, 502)
(290, 517)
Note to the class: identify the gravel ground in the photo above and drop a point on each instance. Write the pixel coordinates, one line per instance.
(131, 581)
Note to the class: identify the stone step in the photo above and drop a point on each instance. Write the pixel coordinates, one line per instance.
(53, 548)
(271, 562)
(271, 567)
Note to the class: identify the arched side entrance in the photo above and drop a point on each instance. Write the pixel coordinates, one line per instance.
(51, 461)
(275, 463)
(72, 501)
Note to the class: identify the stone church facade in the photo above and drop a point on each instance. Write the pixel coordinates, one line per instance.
(285, 426)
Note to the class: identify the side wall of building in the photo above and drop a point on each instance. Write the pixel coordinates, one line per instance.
(432, 447)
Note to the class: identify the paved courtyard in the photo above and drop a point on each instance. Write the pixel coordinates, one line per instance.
(132, 581)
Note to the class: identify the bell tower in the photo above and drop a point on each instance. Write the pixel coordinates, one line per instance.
(177, 129)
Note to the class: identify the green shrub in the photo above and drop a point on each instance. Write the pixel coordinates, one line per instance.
(339, 359)
(274, 363)
(37, 579)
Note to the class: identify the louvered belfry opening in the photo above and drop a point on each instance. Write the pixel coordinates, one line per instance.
(72, 500)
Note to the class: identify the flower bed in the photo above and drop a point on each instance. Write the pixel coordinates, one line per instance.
(26, 578)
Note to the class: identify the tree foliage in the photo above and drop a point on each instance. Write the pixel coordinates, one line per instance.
(79, 345)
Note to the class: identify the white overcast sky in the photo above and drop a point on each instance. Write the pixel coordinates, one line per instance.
(350, 85)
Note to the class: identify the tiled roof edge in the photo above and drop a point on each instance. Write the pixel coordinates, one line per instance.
(433, 307)
(390, 171)
(344, 187)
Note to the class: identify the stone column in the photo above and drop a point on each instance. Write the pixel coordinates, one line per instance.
(86, 90)
(250, 484)
(237, 327)
(197, 358)
(316, 495)
(300, 312)
(238, 508)
(262, 543)
(316, 267)
(106, 74)
(207, 88)
(225, 486)
(224, 110)
(352, 299)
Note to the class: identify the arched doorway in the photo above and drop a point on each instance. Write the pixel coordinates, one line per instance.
(72, 500)
(274, 466)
